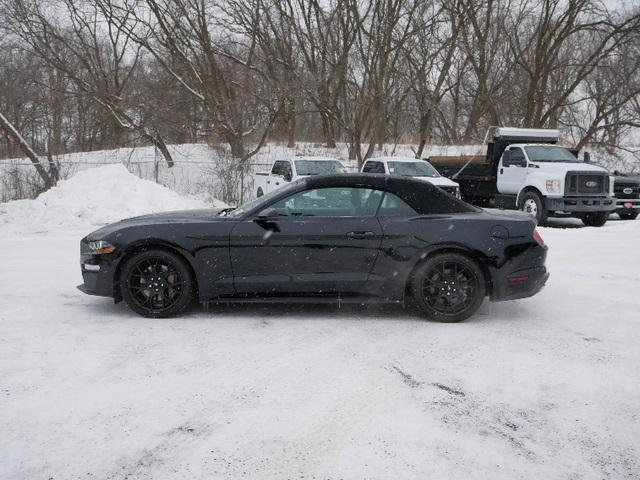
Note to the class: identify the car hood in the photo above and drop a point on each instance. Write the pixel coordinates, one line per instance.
(176, 216)
(563, 167)
(438, 181)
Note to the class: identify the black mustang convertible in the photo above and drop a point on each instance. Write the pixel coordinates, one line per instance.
(336, 238)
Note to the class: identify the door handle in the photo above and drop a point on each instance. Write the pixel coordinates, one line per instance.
(359, 235)
(268, 181)
(501, 171)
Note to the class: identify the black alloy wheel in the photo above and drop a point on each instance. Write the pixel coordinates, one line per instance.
(449, 287)
(157, 283)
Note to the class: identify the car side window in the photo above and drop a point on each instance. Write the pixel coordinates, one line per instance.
(330, 202)
(394, 206)
(373, 167)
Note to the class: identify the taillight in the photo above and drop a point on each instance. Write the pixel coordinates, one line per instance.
(538, 238)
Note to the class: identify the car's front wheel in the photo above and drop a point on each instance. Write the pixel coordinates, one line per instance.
(157, 283)
(448, 287)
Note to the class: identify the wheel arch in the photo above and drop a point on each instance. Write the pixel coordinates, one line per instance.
(475, 256)
(527, 189)
(151, 244)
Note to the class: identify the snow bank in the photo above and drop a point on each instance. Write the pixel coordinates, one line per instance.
(90, 198)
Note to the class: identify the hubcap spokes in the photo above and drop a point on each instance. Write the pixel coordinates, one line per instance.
(531, 207)
(449, 287)
(155, 284)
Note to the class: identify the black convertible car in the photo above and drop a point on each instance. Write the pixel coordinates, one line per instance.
(339, 238)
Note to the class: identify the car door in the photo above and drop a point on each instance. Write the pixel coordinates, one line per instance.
(319, 241)
(512, 171)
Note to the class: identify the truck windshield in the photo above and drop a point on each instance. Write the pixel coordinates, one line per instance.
(318, 167)
(550, 154)
(413, 169)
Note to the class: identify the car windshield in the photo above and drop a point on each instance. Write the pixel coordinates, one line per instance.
(318, 167)
(550, 154)
(265, 199)
(413, 169)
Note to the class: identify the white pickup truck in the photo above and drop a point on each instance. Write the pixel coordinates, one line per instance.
(286, 171)
(410, 167)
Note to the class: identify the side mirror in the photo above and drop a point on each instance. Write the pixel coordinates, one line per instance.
(268, 212)
(288, 177)
(587, 157)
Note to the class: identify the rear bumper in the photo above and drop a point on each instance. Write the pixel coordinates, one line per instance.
(580, 204)
(521, 277)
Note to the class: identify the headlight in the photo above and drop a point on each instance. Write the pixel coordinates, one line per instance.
(553, 186)
(100, 247)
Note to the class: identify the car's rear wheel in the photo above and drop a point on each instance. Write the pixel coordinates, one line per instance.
(596, 219)
(628, 216)
(448, 287)
(157, 283)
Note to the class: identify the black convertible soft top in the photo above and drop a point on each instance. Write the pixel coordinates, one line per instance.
(424, 197)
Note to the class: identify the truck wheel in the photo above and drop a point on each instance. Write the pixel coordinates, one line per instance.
(628, 216)
(259, 193)
(596, 219)
(532, 204)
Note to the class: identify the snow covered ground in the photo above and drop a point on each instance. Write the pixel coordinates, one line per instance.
(547, 387)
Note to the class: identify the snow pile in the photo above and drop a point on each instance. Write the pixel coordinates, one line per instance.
(92, 197)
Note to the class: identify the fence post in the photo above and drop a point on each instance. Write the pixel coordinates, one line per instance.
(155, 163)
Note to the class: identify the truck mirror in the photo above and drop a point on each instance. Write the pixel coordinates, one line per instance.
(587, 157)
(288, 176)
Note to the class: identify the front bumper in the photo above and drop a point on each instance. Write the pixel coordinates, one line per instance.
(627, 205)
(580, 204)
(97, 272)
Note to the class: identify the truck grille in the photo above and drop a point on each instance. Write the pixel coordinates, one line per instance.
(581, 183)
(626, 190)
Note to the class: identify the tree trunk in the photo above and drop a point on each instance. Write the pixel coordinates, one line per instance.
(329, 131)
(26, 149)
(236, 143)
(291, 123)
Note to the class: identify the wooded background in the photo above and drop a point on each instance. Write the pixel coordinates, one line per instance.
(85, 75)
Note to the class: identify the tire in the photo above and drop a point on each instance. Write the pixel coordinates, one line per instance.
(259, 193)
(628, 215)
(448, 287)
(532, 204)
(157, 283)
(596, 219)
